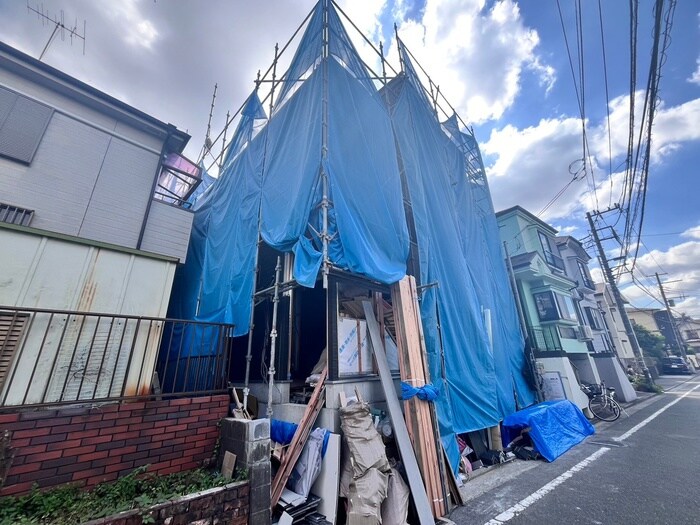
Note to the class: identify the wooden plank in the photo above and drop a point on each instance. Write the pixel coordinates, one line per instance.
(229, 464)
(299, 439)
(442, 466)
(420, 416)
(420, 497)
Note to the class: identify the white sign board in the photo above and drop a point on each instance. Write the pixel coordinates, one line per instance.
(553, 386)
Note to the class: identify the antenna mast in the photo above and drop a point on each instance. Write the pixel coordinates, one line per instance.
(59, 27)
(206, 148)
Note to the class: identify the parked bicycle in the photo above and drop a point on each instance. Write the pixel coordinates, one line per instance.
(601, 401)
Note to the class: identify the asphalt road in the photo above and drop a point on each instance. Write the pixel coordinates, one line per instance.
(641, 469)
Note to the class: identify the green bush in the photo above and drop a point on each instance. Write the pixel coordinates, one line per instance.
(68, 505)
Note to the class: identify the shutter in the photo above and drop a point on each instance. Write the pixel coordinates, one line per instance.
(22, 125)
(12, 325)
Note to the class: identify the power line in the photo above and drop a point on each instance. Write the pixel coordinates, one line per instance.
(607, 98)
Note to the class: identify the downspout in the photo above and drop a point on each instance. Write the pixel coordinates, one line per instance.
(171, 130)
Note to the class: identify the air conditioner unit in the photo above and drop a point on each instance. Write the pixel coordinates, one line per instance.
(585, 333)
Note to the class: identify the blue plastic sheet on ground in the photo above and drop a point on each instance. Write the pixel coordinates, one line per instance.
(555, 427)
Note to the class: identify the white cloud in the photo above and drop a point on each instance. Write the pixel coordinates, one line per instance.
(529, 166)
(534, 163)
(692, 233)
(366, 15)
(672, 126)
(695, 77)
(477, 55)
(137, 30)
(679, 263)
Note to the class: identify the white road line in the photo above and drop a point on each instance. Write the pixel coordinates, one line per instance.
(523, 504)
(653, 416)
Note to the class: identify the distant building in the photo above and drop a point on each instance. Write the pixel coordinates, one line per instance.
(92, 220)
(547, 299)
(690, 332)
(613, 322)
(564, 324)
(592, 329)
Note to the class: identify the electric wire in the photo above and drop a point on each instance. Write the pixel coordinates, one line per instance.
(607, 99)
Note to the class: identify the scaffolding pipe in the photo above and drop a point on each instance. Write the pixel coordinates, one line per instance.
(251, 324)
(274, 77)
(324, 146)
(273, 338)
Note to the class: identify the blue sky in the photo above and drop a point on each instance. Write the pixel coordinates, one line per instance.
(501, 63)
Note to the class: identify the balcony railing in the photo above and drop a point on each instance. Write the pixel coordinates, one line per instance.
(554, 260)
(544, 339)
(52, 357)
(585, 281)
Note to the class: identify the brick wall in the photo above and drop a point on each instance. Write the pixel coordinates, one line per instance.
(221, 505)
(86, 446)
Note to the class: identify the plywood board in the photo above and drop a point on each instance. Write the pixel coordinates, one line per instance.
(327, 484)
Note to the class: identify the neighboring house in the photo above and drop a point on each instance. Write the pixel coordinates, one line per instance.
(645, 318)
(613, 322)
(592, 330)
(549, 300)
(689, 329)
(657, 321)
(91, 221)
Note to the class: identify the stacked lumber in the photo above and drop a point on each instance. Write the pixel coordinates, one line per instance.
(403, 441)
(300, 437)
(420, 415)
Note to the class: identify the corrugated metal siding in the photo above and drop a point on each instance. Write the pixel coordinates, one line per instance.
(168, 230)
(51, 273)
(43, 272)
(60, 179)
(119, 199)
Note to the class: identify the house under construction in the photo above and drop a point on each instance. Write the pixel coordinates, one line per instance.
(334, 186)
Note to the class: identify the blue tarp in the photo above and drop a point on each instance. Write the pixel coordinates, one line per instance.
(555, 427)
(391, 168)
(459, 249)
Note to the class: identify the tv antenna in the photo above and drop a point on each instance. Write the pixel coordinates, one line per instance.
(59, 27)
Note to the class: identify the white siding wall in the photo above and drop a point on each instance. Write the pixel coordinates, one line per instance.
(122, 191)
(168, 230)
(88, 179)
(67, 104)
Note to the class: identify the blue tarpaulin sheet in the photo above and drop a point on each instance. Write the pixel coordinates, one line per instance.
(391, 167)
(555, 427)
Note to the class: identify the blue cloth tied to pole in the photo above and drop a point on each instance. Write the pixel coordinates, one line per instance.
(425, 393)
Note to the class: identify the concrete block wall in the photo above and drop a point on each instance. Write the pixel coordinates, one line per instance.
(87, 446)
(250, 441)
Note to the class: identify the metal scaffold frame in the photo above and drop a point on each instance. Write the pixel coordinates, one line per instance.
(441, 107)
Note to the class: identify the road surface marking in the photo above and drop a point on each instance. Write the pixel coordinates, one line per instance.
(523, 504)
(653, 416)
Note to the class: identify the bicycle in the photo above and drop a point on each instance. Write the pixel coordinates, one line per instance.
(601, 402)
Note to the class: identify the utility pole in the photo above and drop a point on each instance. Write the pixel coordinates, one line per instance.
(674, 328)
(638, 352)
